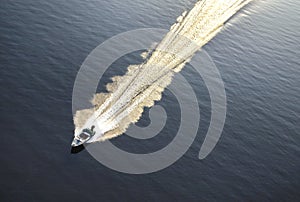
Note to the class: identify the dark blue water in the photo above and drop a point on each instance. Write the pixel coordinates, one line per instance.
(42, 46)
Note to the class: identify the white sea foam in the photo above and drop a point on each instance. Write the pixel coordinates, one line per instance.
(144, 83)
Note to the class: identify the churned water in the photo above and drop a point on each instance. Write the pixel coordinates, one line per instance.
(43, 44)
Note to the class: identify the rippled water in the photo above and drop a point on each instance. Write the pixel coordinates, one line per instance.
(43, 44)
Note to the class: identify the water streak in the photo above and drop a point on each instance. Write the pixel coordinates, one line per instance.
(143, 84)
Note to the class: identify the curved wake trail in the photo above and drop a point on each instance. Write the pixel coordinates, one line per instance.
(143, 84)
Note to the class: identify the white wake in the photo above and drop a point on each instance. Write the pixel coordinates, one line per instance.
(143, 84)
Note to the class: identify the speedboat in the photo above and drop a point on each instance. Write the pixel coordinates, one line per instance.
(83, 137)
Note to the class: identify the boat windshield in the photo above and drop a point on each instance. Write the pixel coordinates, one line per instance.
(84, 136)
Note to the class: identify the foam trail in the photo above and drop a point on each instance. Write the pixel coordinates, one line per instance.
(144, 83)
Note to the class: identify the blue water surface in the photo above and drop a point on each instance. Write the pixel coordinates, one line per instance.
(44, 43)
